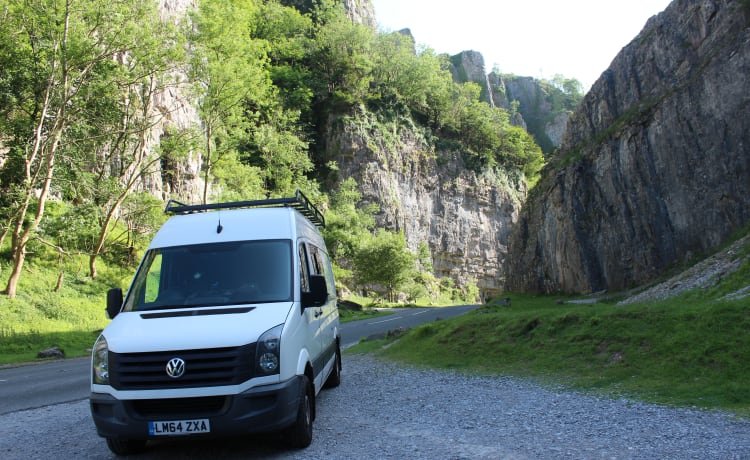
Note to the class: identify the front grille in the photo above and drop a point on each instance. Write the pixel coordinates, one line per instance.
(192, 407)
(209, 367)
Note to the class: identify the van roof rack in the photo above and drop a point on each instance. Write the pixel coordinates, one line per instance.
(299, 202)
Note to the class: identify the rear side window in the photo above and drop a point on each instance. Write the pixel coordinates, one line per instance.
(321, 265)
(213, 274)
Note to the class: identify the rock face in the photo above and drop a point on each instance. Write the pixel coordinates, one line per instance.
(174, 111)
(535, 110)
(465, 219)
(654, 168)
(361, 12)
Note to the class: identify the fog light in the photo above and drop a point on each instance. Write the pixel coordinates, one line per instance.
(268, 362)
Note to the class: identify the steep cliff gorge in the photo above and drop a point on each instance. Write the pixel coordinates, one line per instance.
(654, 168)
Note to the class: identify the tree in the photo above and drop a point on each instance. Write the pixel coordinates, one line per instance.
(228, 70)
(348, 222)
(384, 260)
(118, 155)
(417, 78)
(341, 56)
(519, 151)
(246, 122)
(54, 52)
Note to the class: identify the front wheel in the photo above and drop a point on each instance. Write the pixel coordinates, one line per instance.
(126, 446)
(299, 435)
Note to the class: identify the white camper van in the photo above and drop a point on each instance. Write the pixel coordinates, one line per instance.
(230, 327)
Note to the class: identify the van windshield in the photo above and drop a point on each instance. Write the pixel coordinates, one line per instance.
(232, 273)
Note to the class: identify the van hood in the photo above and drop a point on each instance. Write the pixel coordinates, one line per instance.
(193, 328)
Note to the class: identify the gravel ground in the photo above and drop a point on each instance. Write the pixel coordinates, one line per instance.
(384, 410)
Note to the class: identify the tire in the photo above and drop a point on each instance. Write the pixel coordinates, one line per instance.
(334, 379)
(299, 435)
(126, 446)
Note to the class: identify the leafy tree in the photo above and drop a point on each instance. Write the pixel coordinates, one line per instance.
(569, 86)
(281, 152)
(383, 259)
(341, 57)
(118, 155)
(348, 222)
(287, 35)
(228, 71)
(424, 258)
(518, 150)
(237, 180)
(240, 47)
(405, 75)
(57, 56)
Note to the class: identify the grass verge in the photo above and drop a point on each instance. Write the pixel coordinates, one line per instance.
(687, 351)
(39, 317)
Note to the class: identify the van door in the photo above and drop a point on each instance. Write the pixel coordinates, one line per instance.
(312, 316)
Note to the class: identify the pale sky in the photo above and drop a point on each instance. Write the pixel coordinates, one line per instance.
(535, 38)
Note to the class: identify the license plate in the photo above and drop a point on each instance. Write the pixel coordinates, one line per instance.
(178, 427)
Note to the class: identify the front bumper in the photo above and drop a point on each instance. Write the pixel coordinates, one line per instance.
(261, 409)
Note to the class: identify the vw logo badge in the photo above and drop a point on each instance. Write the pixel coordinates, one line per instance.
(176, 368)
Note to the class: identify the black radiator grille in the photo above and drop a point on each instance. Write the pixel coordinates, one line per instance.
(208, 367)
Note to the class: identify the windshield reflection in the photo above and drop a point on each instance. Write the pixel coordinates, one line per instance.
(213, 274)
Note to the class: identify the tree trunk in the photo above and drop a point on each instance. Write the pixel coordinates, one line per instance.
(19, 255)
(207, 162)
(21, 236)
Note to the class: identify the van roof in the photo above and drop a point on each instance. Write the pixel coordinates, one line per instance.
(299, 202)
(235, 225)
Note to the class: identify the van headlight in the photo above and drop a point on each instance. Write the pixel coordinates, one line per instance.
(100, 362)
(267, 356)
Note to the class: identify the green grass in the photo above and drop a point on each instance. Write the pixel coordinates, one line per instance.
(346, 316)
(688, 351)
(40, 318)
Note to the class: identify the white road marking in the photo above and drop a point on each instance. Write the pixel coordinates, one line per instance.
(384, 321)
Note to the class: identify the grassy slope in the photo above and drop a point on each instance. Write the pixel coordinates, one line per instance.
(40, 318)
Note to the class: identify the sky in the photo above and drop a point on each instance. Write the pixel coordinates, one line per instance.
(535, 38)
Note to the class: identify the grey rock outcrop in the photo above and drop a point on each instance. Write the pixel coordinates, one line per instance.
(655, 164)
(529, 100)
(174, 111)
(429, 195)
(361, 12)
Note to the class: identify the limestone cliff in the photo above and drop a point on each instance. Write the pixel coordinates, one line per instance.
(361, 12)
(174, 111)
(430, 196)
(537, 106)
(654, 168)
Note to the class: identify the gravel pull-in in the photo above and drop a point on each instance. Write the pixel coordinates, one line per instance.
(383, 410)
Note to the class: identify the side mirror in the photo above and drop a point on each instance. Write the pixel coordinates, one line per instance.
(318, 294)
(114, 302)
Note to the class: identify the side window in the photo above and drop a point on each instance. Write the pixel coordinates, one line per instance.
(322, 266)
(303, 270)
(317, 264)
